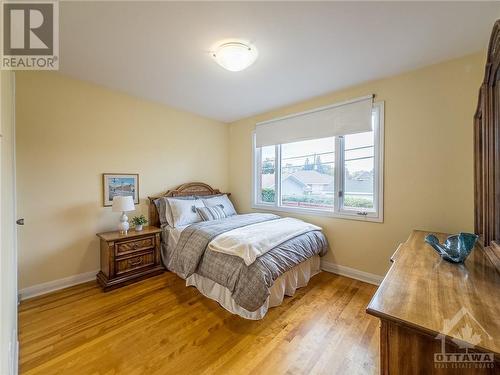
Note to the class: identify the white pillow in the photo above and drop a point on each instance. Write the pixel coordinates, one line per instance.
(184, 211)
(221, 200)
(164, 211)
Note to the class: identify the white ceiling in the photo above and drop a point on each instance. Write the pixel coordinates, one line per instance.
(159, 50)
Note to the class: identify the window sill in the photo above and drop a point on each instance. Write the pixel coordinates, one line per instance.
(305, 211)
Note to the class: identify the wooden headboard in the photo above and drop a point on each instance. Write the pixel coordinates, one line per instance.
(191, 188)
(487, 153)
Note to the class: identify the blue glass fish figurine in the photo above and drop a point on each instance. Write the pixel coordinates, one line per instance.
(456, 248)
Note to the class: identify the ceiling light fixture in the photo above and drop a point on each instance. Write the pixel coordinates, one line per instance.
(235, 55)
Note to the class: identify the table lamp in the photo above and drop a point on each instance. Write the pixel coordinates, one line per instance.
(123, 204)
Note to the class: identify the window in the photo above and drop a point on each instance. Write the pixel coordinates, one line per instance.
(307, 179)
(336, 176)
(267, 167)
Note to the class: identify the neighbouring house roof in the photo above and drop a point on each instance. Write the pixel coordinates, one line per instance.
(308, 177)
(364, 175)
(267, 181)
(361, 184)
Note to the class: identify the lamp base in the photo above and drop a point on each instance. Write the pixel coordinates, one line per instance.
(124, 225)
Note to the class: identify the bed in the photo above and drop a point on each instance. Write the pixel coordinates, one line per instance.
(245, 262)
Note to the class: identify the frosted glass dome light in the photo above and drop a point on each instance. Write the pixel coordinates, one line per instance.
(235, 56)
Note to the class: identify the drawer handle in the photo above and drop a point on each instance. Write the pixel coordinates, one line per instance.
(135, 263)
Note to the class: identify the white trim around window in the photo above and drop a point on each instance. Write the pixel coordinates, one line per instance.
(375, 214)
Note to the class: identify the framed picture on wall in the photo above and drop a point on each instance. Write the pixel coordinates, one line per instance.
(119, 184)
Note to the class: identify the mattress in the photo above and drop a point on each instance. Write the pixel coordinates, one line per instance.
(285, 284)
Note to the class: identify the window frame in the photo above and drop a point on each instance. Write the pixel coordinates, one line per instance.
(339, 211)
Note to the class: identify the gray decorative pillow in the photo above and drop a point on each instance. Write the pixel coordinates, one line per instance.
(211, 213)
(221, 200)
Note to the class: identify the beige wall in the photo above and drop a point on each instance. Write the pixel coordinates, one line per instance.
(70, 132)
(428, 160)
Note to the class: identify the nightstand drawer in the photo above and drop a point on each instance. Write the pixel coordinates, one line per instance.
(124, 248)
(135, 262)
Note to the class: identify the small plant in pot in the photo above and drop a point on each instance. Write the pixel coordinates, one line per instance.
(138, 222)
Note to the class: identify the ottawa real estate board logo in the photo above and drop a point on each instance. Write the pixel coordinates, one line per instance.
(465, 333)
(30, 35)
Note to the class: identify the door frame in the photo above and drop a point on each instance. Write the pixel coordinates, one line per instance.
(8, 255)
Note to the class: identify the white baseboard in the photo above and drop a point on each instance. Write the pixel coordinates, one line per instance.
(51, 286)
(353, 273)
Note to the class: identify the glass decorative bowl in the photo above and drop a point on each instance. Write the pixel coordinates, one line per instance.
(456, 248)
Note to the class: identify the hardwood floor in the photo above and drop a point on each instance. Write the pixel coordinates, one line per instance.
(160, 326)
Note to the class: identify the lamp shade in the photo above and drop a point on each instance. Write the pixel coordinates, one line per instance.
(122, 204)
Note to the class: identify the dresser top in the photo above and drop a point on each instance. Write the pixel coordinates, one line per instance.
(116, 235)
(425, 292)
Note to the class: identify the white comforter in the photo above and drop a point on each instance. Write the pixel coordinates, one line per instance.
(254, 240)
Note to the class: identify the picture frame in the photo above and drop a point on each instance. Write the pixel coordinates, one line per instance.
(124, 184)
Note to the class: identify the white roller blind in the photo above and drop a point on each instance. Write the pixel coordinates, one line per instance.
(354, 116)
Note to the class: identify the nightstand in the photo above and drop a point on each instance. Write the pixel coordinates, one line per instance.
(126, 258)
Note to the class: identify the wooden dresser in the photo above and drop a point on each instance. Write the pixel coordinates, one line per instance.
(126, 258)
(430, 308)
